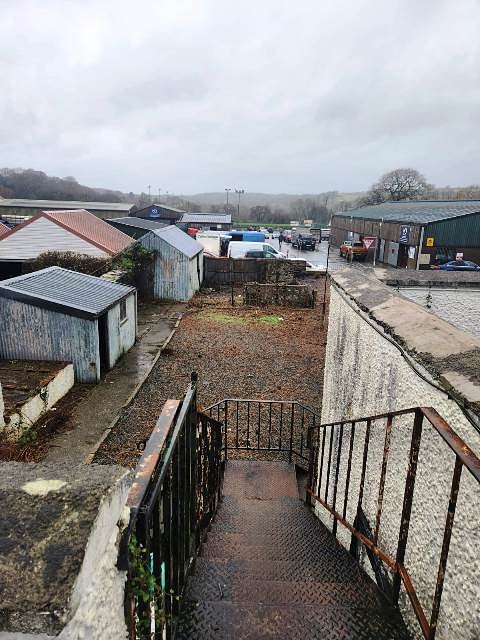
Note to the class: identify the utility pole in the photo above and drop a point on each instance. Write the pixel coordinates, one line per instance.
(227, 192)
(159, 196)
(239, 192)
(149, 196)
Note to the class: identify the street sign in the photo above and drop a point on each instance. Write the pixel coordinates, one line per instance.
(429, 242)
(369, 241)
(404, 235)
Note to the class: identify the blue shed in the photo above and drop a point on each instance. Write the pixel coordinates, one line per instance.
(178, 265)
(57, 314)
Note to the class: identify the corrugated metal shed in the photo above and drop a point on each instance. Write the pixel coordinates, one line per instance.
(206, 218)
(421, 212)
(461, 232)
(178, 266)
(57, 289)
(179, 240)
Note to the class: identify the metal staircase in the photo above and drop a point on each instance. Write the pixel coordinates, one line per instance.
(220, 545)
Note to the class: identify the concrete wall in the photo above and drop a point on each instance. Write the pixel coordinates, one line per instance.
(122, 334)
(366, 374)
(460, 307)
(58, 572)
(33, 333)
(44, 399)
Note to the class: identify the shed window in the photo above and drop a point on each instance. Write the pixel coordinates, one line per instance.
(123, 310)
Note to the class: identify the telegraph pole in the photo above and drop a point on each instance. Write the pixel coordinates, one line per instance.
(227, 190)
(239, 192)
(149, 196)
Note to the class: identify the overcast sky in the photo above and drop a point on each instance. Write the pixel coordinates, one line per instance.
(269, 95)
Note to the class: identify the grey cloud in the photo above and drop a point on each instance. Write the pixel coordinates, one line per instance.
(274, 96)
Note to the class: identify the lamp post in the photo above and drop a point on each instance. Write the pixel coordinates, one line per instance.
(227, 191)
(239, 192)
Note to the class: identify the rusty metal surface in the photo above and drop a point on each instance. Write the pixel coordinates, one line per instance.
(152, 452)
(270, 569)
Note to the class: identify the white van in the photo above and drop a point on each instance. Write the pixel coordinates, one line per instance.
(240, 249)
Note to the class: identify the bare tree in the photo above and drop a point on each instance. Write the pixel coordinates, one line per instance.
(402, 184)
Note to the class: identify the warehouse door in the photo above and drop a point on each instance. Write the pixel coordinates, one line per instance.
(402, 261)
(381, 252)
(392, 257)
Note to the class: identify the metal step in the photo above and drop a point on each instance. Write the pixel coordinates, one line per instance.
(271, 569)
(233, 621)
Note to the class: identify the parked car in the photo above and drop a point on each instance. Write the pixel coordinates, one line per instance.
(303, 241)
(457, 265)
(240, 249)
(353, 250)
(287, 236)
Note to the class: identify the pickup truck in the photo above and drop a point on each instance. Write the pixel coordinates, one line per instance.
(303, 241)
(353, 250)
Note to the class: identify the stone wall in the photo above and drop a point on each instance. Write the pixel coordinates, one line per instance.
(285, 295)
(386, 353)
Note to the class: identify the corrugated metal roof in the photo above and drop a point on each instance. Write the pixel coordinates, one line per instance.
(92, 228)
(3, 229)
(205, 218)
(66, 204)
(66, 291)
(83, 224)
(162, 206)
(180, 240)
(422, 212)
(140, 223)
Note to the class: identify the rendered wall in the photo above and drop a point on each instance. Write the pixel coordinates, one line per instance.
(365, 375)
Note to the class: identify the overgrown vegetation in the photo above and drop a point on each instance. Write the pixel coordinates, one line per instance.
(72, 261)
(135, 261)
(147, 594)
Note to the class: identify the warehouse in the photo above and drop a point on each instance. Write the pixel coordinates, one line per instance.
(159, 212)
(178, 266)
(413, 235)
(15, 210)
(135, 227)
(60, 315)
(207, 221)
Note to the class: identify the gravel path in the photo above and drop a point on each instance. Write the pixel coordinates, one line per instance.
(273, 353)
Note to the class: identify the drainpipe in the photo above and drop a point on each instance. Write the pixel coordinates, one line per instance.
(420, 245)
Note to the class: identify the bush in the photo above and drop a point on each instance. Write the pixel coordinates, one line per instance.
(72, 261)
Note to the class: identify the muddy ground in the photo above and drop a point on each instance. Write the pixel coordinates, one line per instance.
(268, 353)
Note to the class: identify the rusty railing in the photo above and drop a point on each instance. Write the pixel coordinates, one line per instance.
(267, 426)
(337, 447)
(173, 497)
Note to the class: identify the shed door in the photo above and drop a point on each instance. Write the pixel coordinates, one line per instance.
(103, 343)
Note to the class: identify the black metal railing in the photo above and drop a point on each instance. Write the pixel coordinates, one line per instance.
(173, 497)
(340, 454)
(266, 426)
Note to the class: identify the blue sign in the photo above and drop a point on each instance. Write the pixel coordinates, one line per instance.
(404, 235)
(154, 213)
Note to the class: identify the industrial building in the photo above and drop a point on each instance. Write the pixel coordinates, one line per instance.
(159, 212)
(178, 263)
(16, 210)
(78, 231)
(413, 235)
(136, 227)
(60, 315)
(207, 221)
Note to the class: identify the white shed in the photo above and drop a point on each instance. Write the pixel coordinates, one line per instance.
(178, 266)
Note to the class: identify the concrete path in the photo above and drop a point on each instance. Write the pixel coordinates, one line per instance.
(101, 407)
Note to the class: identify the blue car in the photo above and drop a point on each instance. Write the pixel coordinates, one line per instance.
(458, 265)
